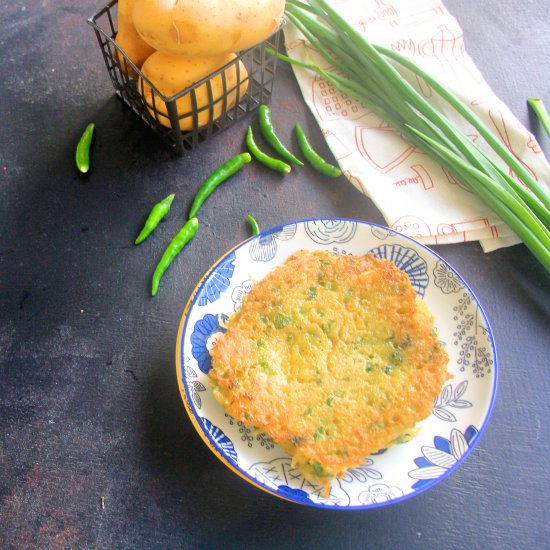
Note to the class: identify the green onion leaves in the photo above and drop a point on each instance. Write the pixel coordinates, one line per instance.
(363, 72)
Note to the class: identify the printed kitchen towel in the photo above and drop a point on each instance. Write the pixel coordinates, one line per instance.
(415, 195)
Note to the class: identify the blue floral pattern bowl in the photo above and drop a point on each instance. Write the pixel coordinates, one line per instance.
(460, 413)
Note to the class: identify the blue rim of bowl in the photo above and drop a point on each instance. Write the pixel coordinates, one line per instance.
(196, 418)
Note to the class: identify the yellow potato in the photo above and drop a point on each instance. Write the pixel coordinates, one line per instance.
(206, 27)
(171, 75)
(127, 38)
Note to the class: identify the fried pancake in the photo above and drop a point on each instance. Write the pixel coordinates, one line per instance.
(334, 357)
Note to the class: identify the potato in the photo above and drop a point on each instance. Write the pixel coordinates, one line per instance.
(127, 38)
(206, 27)
(171, 75)
(135, 48)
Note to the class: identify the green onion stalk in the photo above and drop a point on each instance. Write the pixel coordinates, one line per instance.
(538, 107)
(362, 71)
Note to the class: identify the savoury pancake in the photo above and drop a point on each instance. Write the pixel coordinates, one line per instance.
(333, 356)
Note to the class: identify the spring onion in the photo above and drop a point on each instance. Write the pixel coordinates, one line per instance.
(362, 71)
(539, 109)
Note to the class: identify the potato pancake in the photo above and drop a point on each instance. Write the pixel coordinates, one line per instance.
(334, 357)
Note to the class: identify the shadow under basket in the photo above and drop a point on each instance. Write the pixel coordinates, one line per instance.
(240, 95)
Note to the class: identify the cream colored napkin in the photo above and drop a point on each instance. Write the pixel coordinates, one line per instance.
(415, 195)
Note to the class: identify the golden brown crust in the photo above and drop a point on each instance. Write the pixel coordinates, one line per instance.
(334, 357)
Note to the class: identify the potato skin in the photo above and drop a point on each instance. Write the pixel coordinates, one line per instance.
(128, 39)
(171, 75)
(206, 27)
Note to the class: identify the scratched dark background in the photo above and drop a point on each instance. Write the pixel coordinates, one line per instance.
(96, 450)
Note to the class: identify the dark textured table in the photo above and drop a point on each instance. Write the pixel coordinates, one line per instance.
(96, 450)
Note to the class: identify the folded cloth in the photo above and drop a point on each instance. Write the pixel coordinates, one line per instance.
(414, 194)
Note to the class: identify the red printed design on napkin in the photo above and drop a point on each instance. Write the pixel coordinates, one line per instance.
(413, 192)
(331, 104)
(378, 147)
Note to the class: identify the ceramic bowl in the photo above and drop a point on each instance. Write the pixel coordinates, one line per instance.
(459, 415)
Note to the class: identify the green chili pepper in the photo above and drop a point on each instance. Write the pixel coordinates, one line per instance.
(83, 149)
(219, 175)
(185, 234)
(157, 214)
(266, 127)
(253, 224)
(270, 162)
(316, 161)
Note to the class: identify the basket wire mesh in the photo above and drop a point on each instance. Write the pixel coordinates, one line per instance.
(184, 128)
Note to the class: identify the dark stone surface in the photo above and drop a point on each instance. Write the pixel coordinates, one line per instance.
(96, 450)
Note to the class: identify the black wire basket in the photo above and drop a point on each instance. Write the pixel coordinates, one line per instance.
(245, 82)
